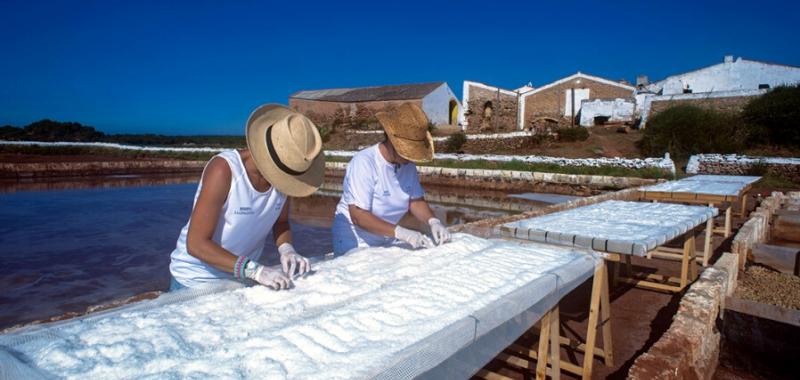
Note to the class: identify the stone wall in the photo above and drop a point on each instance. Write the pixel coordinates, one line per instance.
(493, 146)
(689, 349)
(100, 168)
(756, 228)
(489, 110)
(511, 180)
(788, 168)
(728, 104)
(550, 102)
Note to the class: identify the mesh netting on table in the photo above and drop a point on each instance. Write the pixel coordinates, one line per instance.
(378, 312)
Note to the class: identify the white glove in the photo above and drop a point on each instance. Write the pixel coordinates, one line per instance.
(270, 277)
(291, 261)
(440, 233)
(416, 239)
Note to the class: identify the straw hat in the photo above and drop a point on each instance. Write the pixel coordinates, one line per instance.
(407, 128)
(287, 149)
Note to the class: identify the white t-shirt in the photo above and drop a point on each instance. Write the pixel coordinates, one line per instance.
(244, 223)
(371, 183)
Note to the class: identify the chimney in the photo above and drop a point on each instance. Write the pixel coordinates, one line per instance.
(642, 80)
(728, 59)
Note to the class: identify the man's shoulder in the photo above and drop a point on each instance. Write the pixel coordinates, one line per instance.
(364, 157)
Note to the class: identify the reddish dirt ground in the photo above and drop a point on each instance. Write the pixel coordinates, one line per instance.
(602, 142)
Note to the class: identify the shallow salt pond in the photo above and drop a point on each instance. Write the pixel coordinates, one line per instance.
(70, 244)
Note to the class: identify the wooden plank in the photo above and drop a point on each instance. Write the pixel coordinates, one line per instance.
(743, 208)
(544, 340)
(708, 241)
(782, 259)
(591, 333)
(728, 225)
(555, 345)
(787, 227)
(489, 375)
(516, 361)
(605, 315)
(669, 249)
(532, 354)
(773, 312)
(652, 285)
(628, 266)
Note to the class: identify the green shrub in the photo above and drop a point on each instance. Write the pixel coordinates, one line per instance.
(760, 169)
(454, 143)
(573, 134)
(325, 133)
(684, 130)
(775, 116)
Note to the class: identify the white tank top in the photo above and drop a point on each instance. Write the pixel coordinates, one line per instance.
(246, 219)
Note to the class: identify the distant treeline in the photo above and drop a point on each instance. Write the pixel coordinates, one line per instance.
(50, 130)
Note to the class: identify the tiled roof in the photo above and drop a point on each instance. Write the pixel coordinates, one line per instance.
(367, 94)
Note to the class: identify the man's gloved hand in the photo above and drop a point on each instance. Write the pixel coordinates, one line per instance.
(416, 239)
(270, 277)
(292, 262)
(440, 233)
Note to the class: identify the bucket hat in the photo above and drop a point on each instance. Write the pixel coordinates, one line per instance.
(287, 149)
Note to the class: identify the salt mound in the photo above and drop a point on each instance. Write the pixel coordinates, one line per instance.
(614, 226)
(349, 320)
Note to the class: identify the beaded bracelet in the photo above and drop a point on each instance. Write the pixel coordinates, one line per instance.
(239, 265)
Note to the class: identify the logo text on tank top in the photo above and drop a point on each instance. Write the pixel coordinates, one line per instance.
(244, 211)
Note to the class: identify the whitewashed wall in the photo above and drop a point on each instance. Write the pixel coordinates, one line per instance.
(617, 110)
(437, 104)
(737, 75)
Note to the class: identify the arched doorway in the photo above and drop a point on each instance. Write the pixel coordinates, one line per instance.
(453, 120)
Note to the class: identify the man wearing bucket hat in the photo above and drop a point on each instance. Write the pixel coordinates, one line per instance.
(242, 196)
(381, 185)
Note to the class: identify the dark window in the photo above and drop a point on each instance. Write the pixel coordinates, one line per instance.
(600, 120)
(763, 86)
(687, 90)
(487, 110)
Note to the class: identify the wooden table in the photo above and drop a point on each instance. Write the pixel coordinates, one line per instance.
(551, 340)
(623, 229)
(715, 191)
(745, 180)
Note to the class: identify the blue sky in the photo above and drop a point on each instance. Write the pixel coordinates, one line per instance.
(200, 67)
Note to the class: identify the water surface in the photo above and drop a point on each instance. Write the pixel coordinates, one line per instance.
(67, 245)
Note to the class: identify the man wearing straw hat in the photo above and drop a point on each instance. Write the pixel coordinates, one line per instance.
(381, 185)
(242, 196)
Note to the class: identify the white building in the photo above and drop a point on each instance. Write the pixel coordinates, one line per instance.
(602, 111)
(741, 78)
(730, 75)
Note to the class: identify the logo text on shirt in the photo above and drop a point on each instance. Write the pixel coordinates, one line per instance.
(244, 211)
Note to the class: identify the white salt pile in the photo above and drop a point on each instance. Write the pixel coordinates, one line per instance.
(744, 179)
(349, 320)
(614, 226)
(698, 187)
